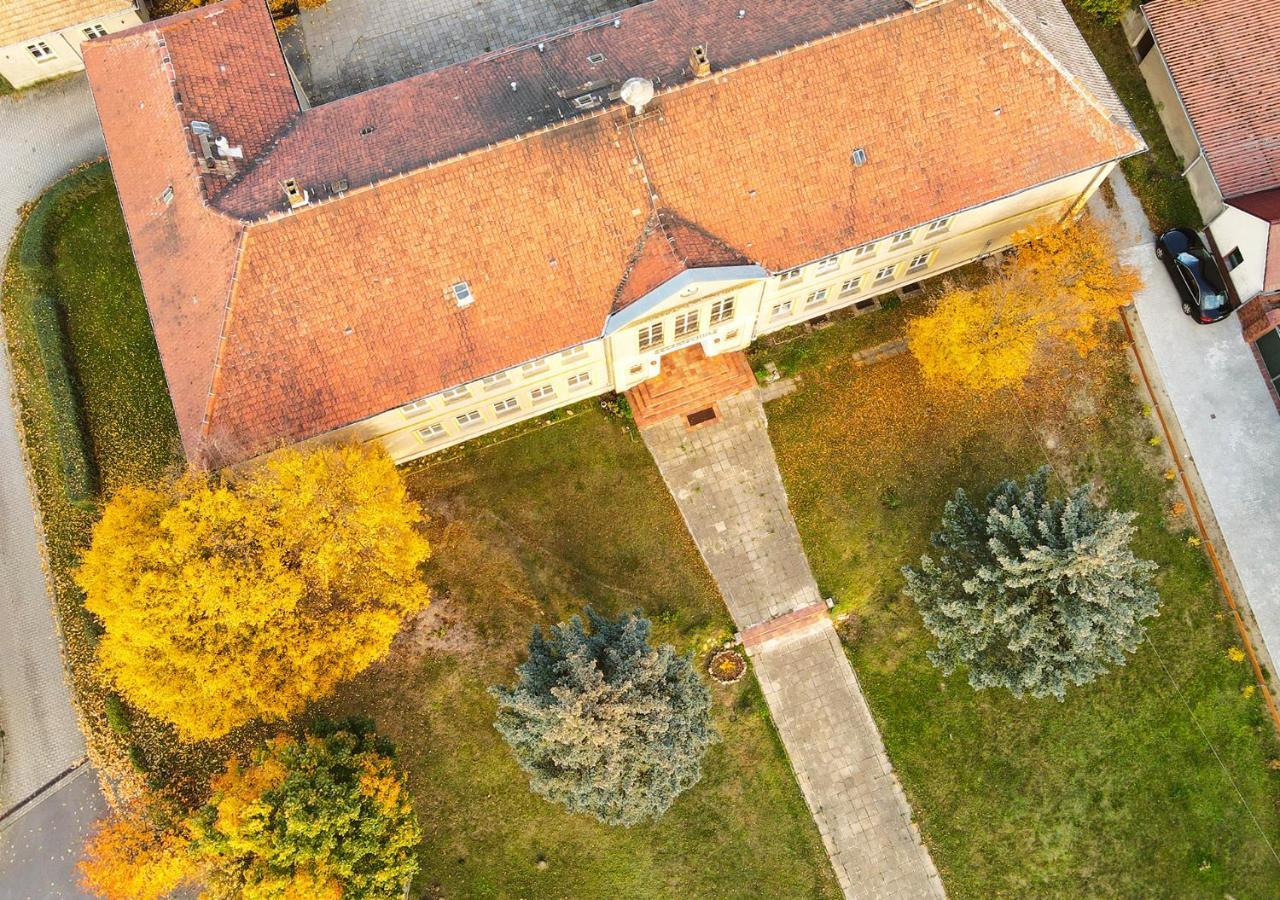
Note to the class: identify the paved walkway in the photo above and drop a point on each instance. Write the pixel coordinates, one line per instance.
(355, 45)
(43, 133)
(724, 477)
(1224, 411)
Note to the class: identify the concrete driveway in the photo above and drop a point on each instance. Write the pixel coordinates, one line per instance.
(43, 133)
(1226, 415)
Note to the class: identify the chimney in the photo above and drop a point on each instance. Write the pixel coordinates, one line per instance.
(296, 195)
(699, 62)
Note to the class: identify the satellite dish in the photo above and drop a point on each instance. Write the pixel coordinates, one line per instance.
(636, 93)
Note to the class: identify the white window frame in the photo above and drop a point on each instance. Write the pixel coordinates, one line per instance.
(429, 434)
(506, 407)
(682, 327)
(852, 286)
(454, 394)
(542, 394)
(780, 311)
(882, 278)
(416, 408)
(537, 367)
(866, 250)
(723, 310)
(94, 31)
(462, 294)
(651, 337)
(902, 238)
(817, 298)
(824, 266)
(919, 262)
(573, 354)
(579, 381)
(941, 226)
(469, 419)
(790, 276)
(41, 51)
(501, 379)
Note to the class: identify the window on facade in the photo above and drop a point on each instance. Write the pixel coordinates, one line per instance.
(503, 407)
(686, 324)
(432, 432)
(851, 287)
(542, 394)
(495, 381)
(721, 311)
(651, 336)
(533, 368)
(1234, 260)
(817, 298)
(40, 51)
(830, 264)
(901, 240)
(574, 353)
(469, 419)
(789, 277)
(462, 294)
(417, 407)
(919, 262)
(780, 310)
(885, 274)
(454, 394)
(581, 380)
(864, 251)
(94, 31)
(940, 226)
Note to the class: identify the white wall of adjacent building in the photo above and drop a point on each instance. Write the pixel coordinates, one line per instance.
(48, 55)
(721, 315)
(1242, 240)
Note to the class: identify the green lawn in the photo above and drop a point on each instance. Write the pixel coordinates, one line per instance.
(1114, 792)
(1156, 176)
(525, 532)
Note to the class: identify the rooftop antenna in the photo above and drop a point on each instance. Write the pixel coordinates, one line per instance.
(637, 93)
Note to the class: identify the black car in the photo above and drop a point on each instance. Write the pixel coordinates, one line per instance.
(1195, 274)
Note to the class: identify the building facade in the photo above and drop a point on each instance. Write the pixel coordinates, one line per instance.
(41, 39)
(445, 256)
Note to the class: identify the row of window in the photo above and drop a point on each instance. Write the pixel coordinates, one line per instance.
(504, 408)
(853, 286)
(494, 382)
(897, 242)
(41, 52)
(653, 336)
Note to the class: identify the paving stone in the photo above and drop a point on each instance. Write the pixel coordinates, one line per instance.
(725, 479)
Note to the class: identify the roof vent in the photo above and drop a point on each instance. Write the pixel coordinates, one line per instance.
(637, 93)
(227, 151)
(860, 157)
(699, 62)
(295, 194)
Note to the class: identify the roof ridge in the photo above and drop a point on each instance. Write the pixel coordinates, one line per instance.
(211, 398)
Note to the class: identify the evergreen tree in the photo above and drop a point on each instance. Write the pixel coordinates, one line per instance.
(604, 723)
(1034, 594)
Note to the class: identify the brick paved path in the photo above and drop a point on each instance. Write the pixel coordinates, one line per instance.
(355, 45)
(725, 479)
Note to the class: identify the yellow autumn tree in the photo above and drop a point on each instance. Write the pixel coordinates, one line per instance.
(224, 602)
(131, 857)
(1056, 292)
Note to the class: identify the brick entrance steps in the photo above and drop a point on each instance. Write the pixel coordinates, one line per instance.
(690, 382)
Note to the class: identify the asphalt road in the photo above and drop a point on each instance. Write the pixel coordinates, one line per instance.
(43, 133)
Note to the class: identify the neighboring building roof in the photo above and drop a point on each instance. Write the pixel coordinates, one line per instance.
(21, 20)
(1225, 60)
(277, 327)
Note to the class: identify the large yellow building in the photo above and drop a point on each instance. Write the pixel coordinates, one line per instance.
(41, 39)
(444, 256)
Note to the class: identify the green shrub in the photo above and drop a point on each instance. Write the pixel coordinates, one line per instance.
(117, 717)
(1108, 11)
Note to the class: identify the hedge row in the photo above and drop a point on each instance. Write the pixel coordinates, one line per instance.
(36, 289)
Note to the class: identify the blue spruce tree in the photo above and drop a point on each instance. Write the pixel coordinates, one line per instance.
(1035, 593)
(604, 723)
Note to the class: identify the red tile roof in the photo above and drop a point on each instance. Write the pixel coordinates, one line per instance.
(340, 311)
(1224, 56)
(670, 245)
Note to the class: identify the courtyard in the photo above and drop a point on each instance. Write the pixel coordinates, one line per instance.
(1158, 774)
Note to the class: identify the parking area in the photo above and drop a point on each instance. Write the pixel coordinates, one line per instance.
(348, 46)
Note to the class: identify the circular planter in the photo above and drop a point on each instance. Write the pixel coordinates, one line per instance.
(727, 667)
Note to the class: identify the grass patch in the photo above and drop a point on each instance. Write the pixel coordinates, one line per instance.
(5, 87)
(1113, 791)
(526, 531)
(1155, 176)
